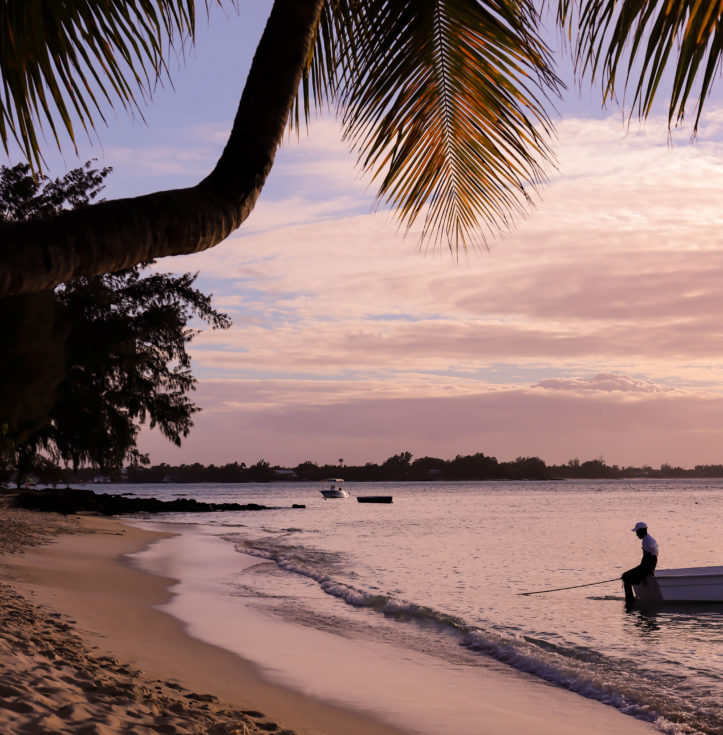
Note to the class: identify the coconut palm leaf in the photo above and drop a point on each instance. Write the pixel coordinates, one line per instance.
(61, 61)
(444, 102)
(639, 39)
(318, 80)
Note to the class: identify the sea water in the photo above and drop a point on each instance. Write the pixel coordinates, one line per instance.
(433, 581)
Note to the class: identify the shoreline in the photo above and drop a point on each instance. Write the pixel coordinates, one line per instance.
(104, 597)
(112, 605)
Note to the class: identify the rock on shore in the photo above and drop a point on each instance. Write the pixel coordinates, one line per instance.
(70, 501)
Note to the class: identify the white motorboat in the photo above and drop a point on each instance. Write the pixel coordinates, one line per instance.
(334, 488)
(691, 584)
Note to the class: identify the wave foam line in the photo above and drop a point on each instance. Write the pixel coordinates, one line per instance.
(358, 598)
(558, 669)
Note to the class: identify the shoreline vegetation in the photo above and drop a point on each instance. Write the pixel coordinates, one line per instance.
(399, 467)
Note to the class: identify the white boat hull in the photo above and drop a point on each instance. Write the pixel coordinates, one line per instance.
(335, 493)
(691, 584)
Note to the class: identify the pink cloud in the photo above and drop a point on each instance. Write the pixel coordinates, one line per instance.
(604, 382)
(617, 273)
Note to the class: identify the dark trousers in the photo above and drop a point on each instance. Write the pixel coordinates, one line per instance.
(637, 574)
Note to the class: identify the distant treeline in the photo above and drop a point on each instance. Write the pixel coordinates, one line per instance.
(398, 467)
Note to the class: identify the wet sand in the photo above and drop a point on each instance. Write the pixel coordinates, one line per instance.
(84, 650)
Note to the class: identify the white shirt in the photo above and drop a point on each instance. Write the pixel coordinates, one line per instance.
(650, 545)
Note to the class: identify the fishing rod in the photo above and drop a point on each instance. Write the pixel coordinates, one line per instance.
(574, 587)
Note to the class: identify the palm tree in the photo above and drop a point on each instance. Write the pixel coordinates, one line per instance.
(444, 101)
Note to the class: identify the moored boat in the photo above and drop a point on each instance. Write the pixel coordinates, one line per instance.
(373, 498)
(690, 584)
(334, 488)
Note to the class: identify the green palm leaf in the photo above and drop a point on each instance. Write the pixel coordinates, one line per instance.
(61, 60)
(444, 102)
(640, 39)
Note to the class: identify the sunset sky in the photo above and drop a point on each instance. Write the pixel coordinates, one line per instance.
(593, 330)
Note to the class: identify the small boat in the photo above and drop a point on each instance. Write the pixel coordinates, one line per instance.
(334, 488)
(691, 584)
(373, 498)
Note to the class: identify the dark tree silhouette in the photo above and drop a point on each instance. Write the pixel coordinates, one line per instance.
(113, 352)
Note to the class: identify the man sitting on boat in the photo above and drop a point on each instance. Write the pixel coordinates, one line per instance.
(646, 567)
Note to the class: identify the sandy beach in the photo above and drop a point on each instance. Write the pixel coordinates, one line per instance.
(84, 650)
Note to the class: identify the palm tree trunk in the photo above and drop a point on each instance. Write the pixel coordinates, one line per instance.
(109, 236)
(25, 457)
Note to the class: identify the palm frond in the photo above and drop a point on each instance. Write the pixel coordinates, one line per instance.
(318, 81)
(444, 102)
(639, 39)
(64, 61)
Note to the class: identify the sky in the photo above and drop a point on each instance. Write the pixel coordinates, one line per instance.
(593, 330)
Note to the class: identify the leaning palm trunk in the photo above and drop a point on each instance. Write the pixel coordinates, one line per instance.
(113, 235)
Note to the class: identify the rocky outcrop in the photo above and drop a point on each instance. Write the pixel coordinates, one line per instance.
(70, 501)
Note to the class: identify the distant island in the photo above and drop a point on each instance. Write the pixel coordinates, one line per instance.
(399, 467)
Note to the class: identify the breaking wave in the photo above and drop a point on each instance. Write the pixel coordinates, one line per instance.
(622, 684)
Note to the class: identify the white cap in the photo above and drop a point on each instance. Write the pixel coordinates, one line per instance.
(640, 525)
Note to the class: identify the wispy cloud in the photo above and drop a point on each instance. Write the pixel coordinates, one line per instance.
(603, 306)
(605, 382)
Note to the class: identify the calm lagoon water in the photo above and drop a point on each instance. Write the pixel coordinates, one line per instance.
(438, 573)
